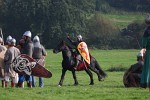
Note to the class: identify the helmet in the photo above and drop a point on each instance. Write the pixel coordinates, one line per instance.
(36, 38)
(13, 41)
(1, 40)
(147, 20)
(8, 39)
(79, 37)
(27, 33)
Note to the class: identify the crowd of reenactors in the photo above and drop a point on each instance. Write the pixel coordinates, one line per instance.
(9, 50)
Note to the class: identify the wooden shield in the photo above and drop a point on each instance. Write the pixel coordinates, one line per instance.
(25, 65)
(83, 50)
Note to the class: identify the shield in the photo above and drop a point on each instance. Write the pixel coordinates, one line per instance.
(83, 50)
(25, 65)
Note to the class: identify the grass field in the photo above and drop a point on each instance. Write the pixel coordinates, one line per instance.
(123, 19)
(111, 88)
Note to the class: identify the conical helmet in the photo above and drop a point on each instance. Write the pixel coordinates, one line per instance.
(13, 41)
(27, 33)
(36, 38)
(79, 37)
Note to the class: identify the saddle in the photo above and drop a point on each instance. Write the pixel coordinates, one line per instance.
(82, 63)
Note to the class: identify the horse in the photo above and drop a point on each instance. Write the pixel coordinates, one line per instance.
(68, 63)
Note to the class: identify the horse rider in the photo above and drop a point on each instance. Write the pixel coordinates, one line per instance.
(2, 54)
(26, 48)
(77, 54)
(132, 76)
(38, 54)
(10, 54)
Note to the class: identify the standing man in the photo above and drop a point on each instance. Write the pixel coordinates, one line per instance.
(10, 54)
(145, 78)
(26, 48)
(38, 55)
(2, 53)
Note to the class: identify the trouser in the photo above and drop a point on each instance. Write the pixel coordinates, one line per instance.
(23, 78)
(8, 77)
(41, 82)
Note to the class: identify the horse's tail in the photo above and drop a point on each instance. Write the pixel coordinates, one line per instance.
(97, 66)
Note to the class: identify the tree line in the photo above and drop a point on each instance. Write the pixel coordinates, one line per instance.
(53, 20)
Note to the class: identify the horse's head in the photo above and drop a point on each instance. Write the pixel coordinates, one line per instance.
(59, 47)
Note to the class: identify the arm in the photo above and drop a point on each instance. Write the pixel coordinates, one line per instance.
(44, 53)
(71, 41)
(29, 49)
(7, 56)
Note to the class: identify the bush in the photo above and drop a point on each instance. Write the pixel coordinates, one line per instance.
(117, 68)
(101, 31)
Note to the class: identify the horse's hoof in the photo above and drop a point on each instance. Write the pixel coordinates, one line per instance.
(59, 85)
(101, 79)
(91, 84)
(75, 84)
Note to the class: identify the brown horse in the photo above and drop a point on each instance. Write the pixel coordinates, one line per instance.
(68, 63)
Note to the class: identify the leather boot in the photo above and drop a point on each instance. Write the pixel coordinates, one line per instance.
(20, 84)
(12, 84)
(29, 84)
(3, 83)
(6, 84)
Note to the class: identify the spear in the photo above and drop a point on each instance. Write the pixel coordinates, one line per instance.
(2, 35)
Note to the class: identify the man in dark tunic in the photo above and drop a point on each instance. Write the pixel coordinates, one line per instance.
(26, 48)
(132, 76)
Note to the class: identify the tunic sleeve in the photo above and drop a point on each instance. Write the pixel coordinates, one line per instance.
(6, 58)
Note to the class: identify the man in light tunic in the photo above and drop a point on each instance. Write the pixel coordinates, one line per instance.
(10, 54)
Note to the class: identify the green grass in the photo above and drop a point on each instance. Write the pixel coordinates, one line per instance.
(111, 88)
(123, 19)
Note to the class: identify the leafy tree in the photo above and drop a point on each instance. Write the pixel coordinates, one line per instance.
(134, 32)
(101, 31)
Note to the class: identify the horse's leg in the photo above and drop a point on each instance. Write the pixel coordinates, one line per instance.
(74, 77)
(62, 77)
(91, 76)
(94, 65)
(97, 72)
(101, 72)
